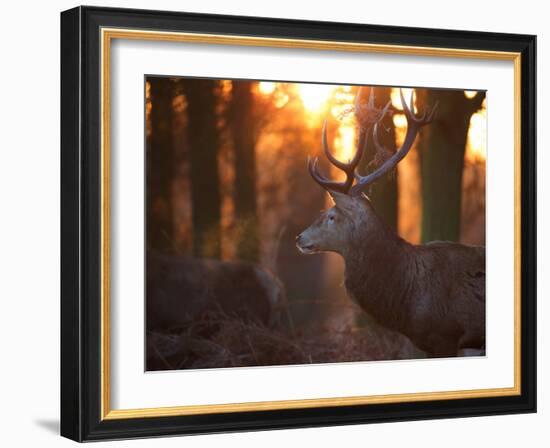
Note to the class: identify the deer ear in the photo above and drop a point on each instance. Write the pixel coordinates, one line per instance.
(342, 201)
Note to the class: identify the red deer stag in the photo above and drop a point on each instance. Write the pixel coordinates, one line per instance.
(432, 293)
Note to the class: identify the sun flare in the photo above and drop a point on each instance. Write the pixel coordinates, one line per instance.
(476, 148)
(314, 96)
(267, 88)
(344, 142)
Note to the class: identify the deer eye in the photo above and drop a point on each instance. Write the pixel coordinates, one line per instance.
(331, 218)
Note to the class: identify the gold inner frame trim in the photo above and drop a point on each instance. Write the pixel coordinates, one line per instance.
(107, 35)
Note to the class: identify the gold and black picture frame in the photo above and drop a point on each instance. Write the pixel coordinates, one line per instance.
(209, 163)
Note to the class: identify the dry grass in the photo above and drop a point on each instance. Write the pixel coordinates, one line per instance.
(219, 340)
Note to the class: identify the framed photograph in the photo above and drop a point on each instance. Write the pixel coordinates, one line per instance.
(275, 224)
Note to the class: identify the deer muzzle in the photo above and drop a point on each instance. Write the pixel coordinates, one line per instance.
(304, 246)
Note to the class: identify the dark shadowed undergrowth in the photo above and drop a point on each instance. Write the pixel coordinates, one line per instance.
(218, 340)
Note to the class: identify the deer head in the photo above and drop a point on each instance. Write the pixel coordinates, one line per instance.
(339, 228)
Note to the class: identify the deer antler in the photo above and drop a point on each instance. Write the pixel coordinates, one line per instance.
(368, 114)
(414, 124)
(348, 168)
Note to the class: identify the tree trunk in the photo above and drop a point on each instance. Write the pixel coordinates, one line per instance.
(160, 163)
(442, 145)
(204, 142)
(383, 194)
(241, 120)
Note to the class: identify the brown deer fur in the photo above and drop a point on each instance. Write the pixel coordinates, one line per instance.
(180, 289)
(433, 293)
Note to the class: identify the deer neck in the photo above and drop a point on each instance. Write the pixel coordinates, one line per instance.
(376, 274)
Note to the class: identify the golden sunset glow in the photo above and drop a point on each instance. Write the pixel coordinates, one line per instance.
(314, 96)
(476, 148)
(321, 101)
(343, 108)
(409, 198)
(396, 97)
(399, 120)
(344, 143)
(281, 99)
(266, 88)
(477, 134)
